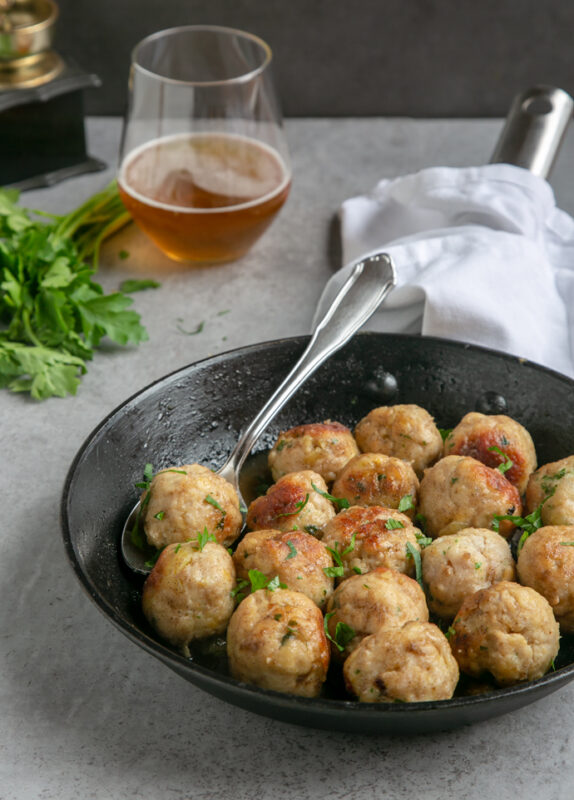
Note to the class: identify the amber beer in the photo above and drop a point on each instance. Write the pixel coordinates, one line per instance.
(204, 197)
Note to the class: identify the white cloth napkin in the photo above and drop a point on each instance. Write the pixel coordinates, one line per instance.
(482, 254)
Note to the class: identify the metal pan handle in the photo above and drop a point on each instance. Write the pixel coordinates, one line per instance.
(534, 129)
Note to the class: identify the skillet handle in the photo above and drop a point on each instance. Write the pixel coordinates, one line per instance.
(534, 129)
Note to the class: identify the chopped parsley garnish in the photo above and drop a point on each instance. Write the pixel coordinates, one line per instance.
(422, 540)
(147, 478)
(341, 502)
(238, 592)
(445, 433)
(406, 503)
(299, 506)
(339, 569)
(204, 537)
(195, 331)
(292, 550)
(287, 635)
(413, 553)
(529, 524)
(393, 524)
(506, 464)
(131, 286)
(343, 633)
(213, 502)
(259, 580)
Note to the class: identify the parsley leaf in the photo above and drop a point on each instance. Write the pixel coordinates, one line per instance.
(413, 553)
(52, 314)
(343, 633)
(340, 502)
(506, 464)
(204, 537)
(259, 580)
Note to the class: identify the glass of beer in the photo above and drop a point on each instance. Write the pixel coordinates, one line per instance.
(204, 165)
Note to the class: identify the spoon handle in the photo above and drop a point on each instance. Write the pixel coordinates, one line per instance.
(364, 290)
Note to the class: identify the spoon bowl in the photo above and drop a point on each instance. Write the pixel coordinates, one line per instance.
(370, 281)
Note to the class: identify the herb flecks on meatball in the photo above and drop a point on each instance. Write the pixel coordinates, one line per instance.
(374, 479)
(367, 537)
(184, 501)
(507, 630)
(546, 563)
(409, 664)
(298, 501)
(405, 431)
(497, 441)
(458, 565)
(362, 604)
(298, 559)
(460, 492)
(324, 447)
(188, 594)
(276, 640)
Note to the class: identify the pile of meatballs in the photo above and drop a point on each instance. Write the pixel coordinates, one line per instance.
(382, 554)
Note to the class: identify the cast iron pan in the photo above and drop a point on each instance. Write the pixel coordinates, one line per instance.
(196, 414)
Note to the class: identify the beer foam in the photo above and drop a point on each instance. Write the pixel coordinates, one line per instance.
(231, 167)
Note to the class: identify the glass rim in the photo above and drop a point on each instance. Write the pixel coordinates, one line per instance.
(243, 78)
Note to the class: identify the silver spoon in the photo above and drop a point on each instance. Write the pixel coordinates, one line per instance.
(364, 290)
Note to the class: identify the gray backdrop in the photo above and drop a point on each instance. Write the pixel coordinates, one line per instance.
(432, 58)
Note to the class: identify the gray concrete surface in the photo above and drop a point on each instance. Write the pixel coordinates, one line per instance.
(87, 715)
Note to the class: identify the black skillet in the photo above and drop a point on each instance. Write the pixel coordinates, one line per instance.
(198, 413)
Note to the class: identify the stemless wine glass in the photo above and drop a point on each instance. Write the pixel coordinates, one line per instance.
(204, 166)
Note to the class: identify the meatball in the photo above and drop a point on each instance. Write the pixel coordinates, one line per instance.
(546, 563)
(324, 447)
(403, 431)
(493, 439)
(362, 604)
(188, 593)
(374, 479)
(460, 492)
(458, 565)
(369, 537)
(507, 630)
(553, 486)
(297, 558)
(184, 501)
(410, 664)
(276, 640)
(298, 501)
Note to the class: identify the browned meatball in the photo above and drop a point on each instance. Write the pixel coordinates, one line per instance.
(369, 537)
(374, 479)
(297, 558)
(553, 485)
(188, 594)
(184, 501)
(461, 564)
(362, 604)
(493, 439)
(460, 492)
(507, 630)
(276, 640)
(410, 664)
(296, 502)
(546, 563)
(324, 447)
(403, 431)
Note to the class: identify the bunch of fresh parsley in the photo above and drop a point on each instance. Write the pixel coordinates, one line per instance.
(52, 314)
